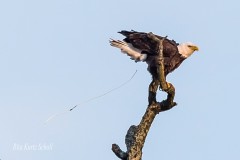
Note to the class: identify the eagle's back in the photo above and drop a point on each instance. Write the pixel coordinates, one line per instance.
(141, 41)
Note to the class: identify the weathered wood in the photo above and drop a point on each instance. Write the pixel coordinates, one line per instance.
(118, 152)
(136, 135)
(135, 151)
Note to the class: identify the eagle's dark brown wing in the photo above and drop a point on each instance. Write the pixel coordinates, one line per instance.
(140, 40)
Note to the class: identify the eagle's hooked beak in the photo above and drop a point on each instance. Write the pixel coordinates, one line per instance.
(195, 48)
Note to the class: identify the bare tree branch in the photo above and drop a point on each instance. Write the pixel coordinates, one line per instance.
(136, 135)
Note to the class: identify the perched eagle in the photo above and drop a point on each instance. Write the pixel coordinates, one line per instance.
(140, 47)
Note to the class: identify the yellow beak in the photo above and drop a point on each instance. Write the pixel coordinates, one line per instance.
(195, 48)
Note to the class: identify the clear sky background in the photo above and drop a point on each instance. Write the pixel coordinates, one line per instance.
(55, 54)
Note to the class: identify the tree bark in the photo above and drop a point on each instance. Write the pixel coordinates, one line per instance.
(136, 135)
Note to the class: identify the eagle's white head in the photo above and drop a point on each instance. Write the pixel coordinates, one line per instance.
(187, 49)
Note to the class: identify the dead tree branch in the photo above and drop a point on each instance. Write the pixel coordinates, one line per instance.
(136, 135)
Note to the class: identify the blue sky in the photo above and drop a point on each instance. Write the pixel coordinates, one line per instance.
(55, 54)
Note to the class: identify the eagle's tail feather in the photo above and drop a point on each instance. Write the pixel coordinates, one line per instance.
(137, 56)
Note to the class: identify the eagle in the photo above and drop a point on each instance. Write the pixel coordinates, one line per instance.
(140, 47)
